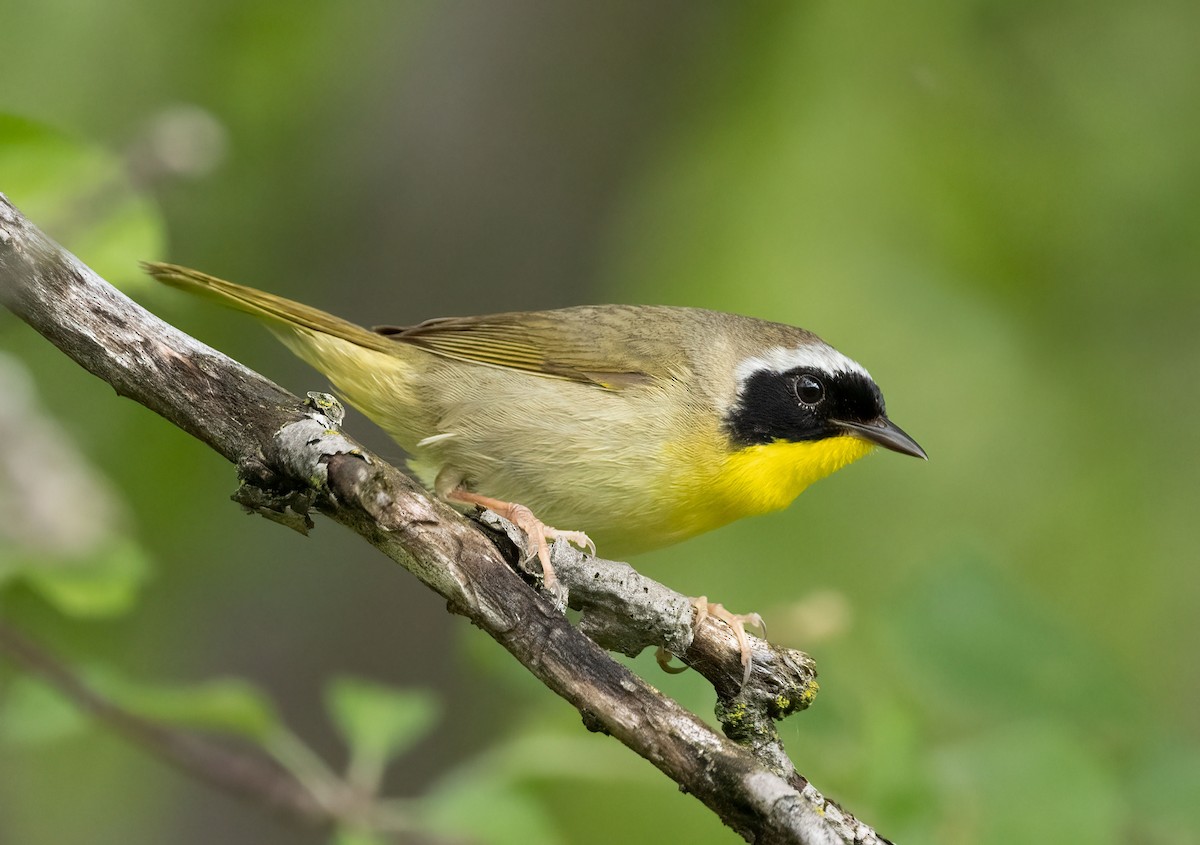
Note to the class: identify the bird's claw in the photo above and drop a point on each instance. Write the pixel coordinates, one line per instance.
(575, 538)
(737, 623)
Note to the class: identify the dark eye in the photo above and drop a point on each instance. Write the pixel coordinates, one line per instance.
(809, 390)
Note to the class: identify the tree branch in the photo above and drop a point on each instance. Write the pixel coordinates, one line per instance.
(292, 458)
(250, 776)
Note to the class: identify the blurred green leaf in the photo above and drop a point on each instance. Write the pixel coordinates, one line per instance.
(81, 196)
(352, 836)
(66, 534)
(32, 712)
(102, 584)
(487, 798)
(229, 705)
(486, 811)
(378, 722)
(541, 753)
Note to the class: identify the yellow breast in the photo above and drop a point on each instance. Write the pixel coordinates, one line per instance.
(760, 479)
(770, 476)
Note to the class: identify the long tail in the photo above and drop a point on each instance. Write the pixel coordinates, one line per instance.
(277, 312)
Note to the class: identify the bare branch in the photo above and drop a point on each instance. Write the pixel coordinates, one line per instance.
(291, 458)
(249, 775)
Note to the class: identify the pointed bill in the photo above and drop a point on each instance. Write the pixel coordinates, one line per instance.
(883, 432)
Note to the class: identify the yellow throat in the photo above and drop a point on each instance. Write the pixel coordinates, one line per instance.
(769, 476)
(754, 480)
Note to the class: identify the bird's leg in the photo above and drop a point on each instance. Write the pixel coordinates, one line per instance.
(737, 623)
(537, 531)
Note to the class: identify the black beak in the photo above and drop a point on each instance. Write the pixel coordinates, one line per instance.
(885, 433)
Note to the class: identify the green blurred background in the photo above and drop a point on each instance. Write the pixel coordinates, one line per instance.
(992, 205)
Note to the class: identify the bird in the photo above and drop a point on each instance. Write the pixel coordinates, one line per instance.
(638, 426)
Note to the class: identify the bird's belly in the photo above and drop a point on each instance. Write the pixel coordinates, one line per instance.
(581, 460)
(612, 498)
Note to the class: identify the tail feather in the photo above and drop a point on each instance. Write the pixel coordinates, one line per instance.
(278, 312)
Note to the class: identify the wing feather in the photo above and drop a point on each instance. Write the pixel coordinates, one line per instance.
(601, 346)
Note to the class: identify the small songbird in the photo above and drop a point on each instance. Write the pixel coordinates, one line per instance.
(636, 425)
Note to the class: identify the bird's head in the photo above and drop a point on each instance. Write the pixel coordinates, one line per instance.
(807, 394)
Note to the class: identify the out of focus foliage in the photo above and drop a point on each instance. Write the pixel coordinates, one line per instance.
(991, 206)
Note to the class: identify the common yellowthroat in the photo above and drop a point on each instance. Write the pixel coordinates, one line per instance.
(641, 425)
